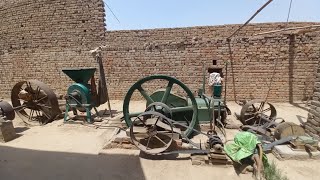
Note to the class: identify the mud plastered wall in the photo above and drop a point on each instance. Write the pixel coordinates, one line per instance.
(40, 38)
(285, 60)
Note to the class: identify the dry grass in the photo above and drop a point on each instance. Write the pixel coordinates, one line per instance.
(271, 172)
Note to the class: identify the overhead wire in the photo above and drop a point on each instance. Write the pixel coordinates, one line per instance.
(250, 19)
(289, 11)
(275, 61)
(234, 33)
(114, 15)
(274, 69)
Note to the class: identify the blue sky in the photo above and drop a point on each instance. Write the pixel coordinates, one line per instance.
(149, 14)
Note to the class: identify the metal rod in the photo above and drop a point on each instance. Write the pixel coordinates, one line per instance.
(204, 79)
(254, 15)
(231, 63)
(225, 84)
(103, 95)
(181, 109)
(219, 111)
(229, 43)
(189, 151)
(213, 121)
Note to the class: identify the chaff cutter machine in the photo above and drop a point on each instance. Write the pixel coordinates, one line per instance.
(84, 96)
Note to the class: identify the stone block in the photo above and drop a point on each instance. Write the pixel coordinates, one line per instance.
(284, 152)
(7, 131)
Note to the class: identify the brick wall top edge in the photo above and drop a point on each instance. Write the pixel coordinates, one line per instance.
(280, 24)
(195, 35)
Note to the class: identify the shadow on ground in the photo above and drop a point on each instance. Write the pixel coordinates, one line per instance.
(20, 129)
(300, 105)
(106, 113)
(25, 164)
(174, 157)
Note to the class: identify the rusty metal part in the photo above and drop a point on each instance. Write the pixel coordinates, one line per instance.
(34, 102)
(157, 132)
(257, 129)
(215, 142)
(6, 110)
(286, 129)
(257, 112)
(153, 132)
(161, 108)
(268, 147)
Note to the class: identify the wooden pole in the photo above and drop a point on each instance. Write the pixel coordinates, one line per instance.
(254, 15)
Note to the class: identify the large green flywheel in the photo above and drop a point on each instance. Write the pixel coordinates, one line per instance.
(176, 104)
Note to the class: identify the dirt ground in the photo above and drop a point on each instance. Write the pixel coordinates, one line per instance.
(70, 151)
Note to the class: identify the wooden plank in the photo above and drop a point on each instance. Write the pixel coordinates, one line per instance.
(199, 159)
(207, 160)
(218, 156)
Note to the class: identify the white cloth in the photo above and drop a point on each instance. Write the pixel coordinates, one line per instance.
(214, 78)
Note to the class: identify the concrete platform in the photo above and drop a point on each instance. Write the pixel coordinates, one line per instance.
(284, 152)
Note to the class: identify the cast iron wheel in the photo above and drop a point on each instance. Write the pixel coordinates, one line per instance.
(171, 81)
(252, 111)
(34, 102)
(6, 110)
(151, 132)
(160, 108)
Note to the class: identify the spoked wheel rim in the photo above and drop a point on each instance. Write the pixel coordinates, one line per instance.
(34, 102)
(171, 81)
(252, 111)
(155, 130)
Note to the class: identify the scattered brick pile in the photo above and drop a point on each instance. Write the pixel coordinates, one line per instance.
(312, 126)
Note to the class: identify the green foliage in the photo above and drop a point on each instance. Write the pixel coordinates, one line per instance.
(271, 172)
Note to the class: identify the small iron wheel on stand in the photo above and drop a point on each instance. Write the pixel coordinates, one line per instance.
(257, 112)
(34, 102)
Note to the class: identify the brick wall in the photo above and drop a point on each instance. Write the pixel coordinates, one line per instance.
(39, 38)
(312, 126)
(180, 52)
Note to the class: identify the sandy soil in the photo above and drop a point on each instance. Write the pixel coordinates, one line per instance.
(70, 151)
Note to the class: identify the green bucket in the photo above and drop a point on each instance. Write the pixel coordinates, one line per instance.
(217, 89)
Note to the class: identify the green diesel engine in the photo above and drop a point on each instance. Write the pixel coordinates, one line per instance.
(191, 110)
